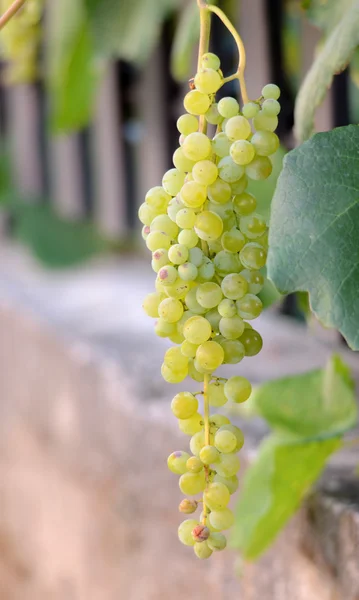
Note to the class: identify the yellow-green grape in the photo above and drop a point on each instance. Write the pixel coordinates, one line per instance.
(158, 198)
(250, 110)
(176, 338)
(208, 455)
(238, 434)
(188, 271)
(271, 107)
(210, 61)
(231, 327)
(234, 286)
(265, 122)
(252, 342)
(249, 307)
(185, 218)
(221, 145)
(221, 519)
(181, 162)
(165, 225)
(233, 240)
(244, 204)
(237, 389)
(242, 152)
(219, 192)
(194, 465)
(167, 275)
(188, 506)
(197, 146)
(216, 396)
(239, 186)
(159, 259)
(196, 256)
(147, 213)
(193, 194)
(210, 356)
(185, 532)
(206, 271)
(208, 225)
(212, 115)
(214, 318)
(176, 462)
(173, 207)
(231, 483)
(191, 425)
(216, 496)
(192, 302)
(226, 262)
(188, 349)
(234, 351)
(217, 420)
(253, 226)
(238, 128)
(271, 91)
(263, 239)
(197, 442)
(174, 359)
(164, 329)
(205, 172)
(188, 238)
(158, 240)
(191, 484)
(187, 124)
(151, 303)
(197, 330)
(184, 405)
(173, 376)
(209, 294)
(228, 465)
(255, 280)
(216, 541)
(145, 232)
(260, 168)
(228, 107)
(171, 310)
(178, 290)
(229, 171)
(196, 103)
(202, 550)
(178, 254)
(225, 442)
(208, 81)
(265, 143)
(253, 256)
(172, 181)
(227, 308)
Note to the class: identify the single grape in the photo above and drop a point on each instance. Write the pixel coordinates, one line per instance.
(208, 225)
(187, 506)
(187, 124)
(217, 420)
(196, 103)
(233, 240)
(170, 310)
(271, 107)
(216, 496)
(250, 110)
(178, 254)
(238, 128)
(230, 482)
(175, 360)
(209, 356)
(228, 107)
(192, 302)
(216, 541)
(145, 231)
(202, 550)
(164, 329)
(221, 519)
(197, 146)
(265, 143)
(196, 256)
(252, 342)
(167, 275)
(227, 308)
(159, 259)
(253, 226)
(221, 145)
(225, 442)
(249, 307)
(255, 280)
(229, 171)
(197, 442)
(176, 338)
(188, 349)
(185, 532)
(188, 271)
(271, 91)
(193, 194)
(185, 218)
(184, 405)
(178, 289)
(237, 432)
(151, 303)
(208, 455)
(146, 214)
(209, 294)
(191, 425)
(226, 262)
(242, 152)
(219, 192)
(260, 168)
(193, 373)
(231, 327)
(172, 181)
(234, 286)
(176, 462)
(188, 238)
(197, 330)
(237, 389)
(253, 256)
(164, 224)
(239, 186)
(158, 240)
(210, 61)
(216, 395)
(191, 484)
(233, 351)
(206, 271)
(262, 121)
(181, 162)
(194, 465)
(212, 115)
(157, 198)
(244, 204)
(174, 206)
(205, 172)
(228, 465)
(208, 81)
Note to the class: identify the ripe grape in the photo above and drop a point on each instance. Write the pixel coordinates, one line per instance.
(205, 172)
(237, 389)
(253, 256)
(216, 394)
(234, 286)
(172, 181)
(191, 425)
(197, 330)
(250, 109)
(196, 146)
(184, 405)
(227, 308)
(158, 198)
(213, 116)
(208, 81)
(220, 191)
(187, 124)
(208, 225)
(188, 271)
(185, 531)
(192, 483)
(231, 327)
(265, 143)
(209, 455)
(249, 307)
(209, 356)
(209, 294)
(176, 462)
(181, 162)
(265, 122)
(170, 310)
(151, 303)
(229, 171)
(238, 128)
(216, 541)
(221, 145)
(234, 351)
(225, 442)
(228, 107)
(221, 519)
(271, 91)
(202, 550)
(216, 495)
(210, 61)
(194, 464)
(196, 103)
(242, 152)
(233, 240)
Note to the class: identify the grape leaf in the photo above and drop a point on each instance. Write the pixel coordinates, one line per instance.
(186, 36)
(325, 15)
(333, 58)
(273, 489)
(319, 403)
(313, 238)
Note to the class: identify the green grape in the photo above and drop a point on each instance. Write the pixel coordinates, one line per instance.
(208, 455)
(205, 172)
(271, 107)
(271, 91)
(221, 145)
(197, 330)
(197, 442)
(209, 294)
(185, 218)
(233, 240)
(187, 124)
(185, 532)
(239, 186)
(250, 110)
(174, 206)
(229, 171)
(226, 262)
(188, 238)
(206, 271)
(238, 128)
(255, 280)
(164, 224)
(145, 231)
(178, 254)
(234, 286)
(252, 342)
(208, 81)
(196, 256)
(186, 315)
(216, 541)
(244, 204)
(172, 181)
(208, 225)
(212, 115)
(221, 519)
(175, 360)
(249, 307)
(188, 349)
(253, 226)
(196, 103)
(219, 192)
(192, 302)
(260, 168)
(202, 550)
(197, 146)
(164, 329)
(193, 194)
(227, 308)
(170, 310)
(237, 389)
(157, 240)
(176, 338)
(191, 425)
(253, 256)
(151, 303)
(214, 318)
(265, 122)
(228, 107)
(231, 483)
(228, 465)
(191, 484)
(265, 143)
(225, 442)
(209, 356)
(216, 395)
(178, 290)
(146, 214)
(237, 432)
(159, 259)
(158, 198)
(231, 327)
(194, 464)
(176, 462)
(187, 506)
(216, 495)
(242, 152)
(233, 351)
(167, 275)
(188, 271)
(217, 420)
(210, 61)
(181, 162)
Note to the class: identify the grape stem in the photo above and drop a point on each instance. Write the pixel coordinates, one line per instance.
(207, 379)
(10, 12)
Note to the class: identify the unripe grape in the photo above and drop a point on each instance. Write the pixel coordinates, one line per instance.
(213, 116)
(228, 465)
(188, 506)
(234, 351)
(197, 146)
(253, 256)
(271, 107)
(226, 262)
(197, 442)
(192, 483)
(265, 143)
(184, 405)
(208, 81)
(176, 462)
(233, 240)
(173, 207)
(234, 286)
(231, 483)
(265, 122)
(206, 271)
(216, 541)
(209, 455)
(185, 532)
(194, 465)
(221, 519)
(181, 162)
(255, 280)
(244, 204)
(228, 107)
(209, 356)
(193, 373)
(238, 128)
(229, 171)
(238, 434)
(172, 181)
(202, 550)
(205, 172)
(196, 103)
(271, 91)
(187, 124)
(249, 307)
(252, 342)
(197, 330)
(188, 271)
(253, 226)
(196, 256)
(146, 213)
(242, 152)
(210, 61)
(250, 109)
(237, 389)
(217, 420)
(188, 349)
(185, 218)
(192, 303)
(164, 329)
(200, 533)
(178, 290)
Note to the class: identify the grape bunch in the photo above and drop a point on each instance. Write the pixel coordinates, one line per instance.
(209, 247)
(20, 41)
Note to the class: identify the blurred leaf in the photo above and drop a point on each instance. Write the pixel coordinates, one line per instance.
(354, 67)
(273, 489)
(332, 59)
(186, 36)
(315, 404)
(5, 178)
(264, 190)
(54, 241)
(325, 14)
(72, 72)
(303, 303)
(292, 42)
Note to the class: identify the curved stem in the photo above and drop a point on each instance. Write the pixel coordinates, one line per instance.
(11, 11)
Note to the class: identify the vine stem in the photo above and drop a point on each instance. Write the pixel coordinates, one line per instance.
(11, 11)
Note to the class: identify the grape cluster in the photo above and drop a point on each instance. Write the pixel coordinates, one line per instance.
(20, 41)
(209, 246)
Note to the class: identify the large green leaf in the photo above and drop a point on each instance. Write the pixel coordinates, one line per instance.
(72, 70)
(326, 14)
(314, 404)
(273, 489)
(314, 228)
(186, 36)
(333, 58)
